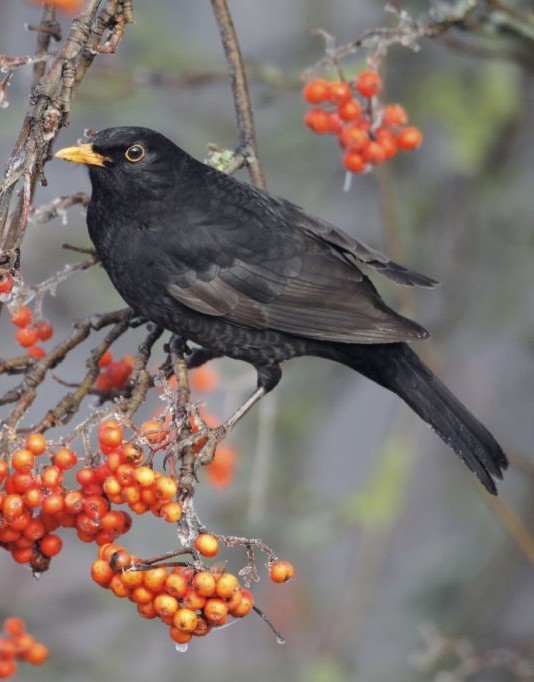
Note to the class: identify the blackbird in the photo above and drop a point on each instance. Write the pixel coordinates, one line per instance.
(254, 277)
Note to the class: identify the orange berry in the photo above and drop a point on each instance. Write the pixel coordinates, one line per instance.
(51, 476)
(8, 667)
(179, 636)
(65, 459)
(106, 359)
(6, 282)
(22, 317)
(281, 571)
(26, 337)
(245, 605)
(353, 136)
(36, 443)
(4, 470)
(409, 138)
(351, 110)
(192, 600)
(374, 153)
(171, 512)
(316, 91)
(204, 583)
(204, 378)
(386, 139)
(33, 498)
(36, 654)
(147, 610)
(185, 620)
(394, 115)
(109, 437)
(14, 626)
(36, 352)
(142, 595)
(368, 83)
(165, 488)
(227, 585)
(335, 124)
(125, 475)
(101, 572)
(153, 431)
(145, 476)
(12, 506)
(202, 628)
(165, 605)
(85, 476)
(50, 545)
(353, 161)
(44, 330)
(207, 544)
(22, 460)
(176, 585)
(318, 120)
(339, 92)
(216, 611)
(53, 503)
(154, 579)
(118, 588)
(113, 523)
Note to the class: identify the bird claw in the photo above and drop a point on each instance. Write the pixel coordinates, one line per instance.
(207, 453)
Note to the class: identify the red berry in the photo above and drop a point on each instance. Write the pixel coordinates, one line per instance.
(353, 136)
(26, 337)
(368, 83)
(22, 317)
(318, 120)
(36, 352)
(409, 138)
(339, 92)
(394, 115)
(44, 329)
(386, 139)
(6, 282)
(374, 153)
(316, 91)
(350, 110)
(353, 161)
(335, 124)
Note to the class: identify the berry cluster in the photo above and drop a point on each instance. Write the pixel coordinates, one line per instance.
(368, 131)
(16, 644)
(34, 503)
(31, 331)
(113, 375)
(190, 599)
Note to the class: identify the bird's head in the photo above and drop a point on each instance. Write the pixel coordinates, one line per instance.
(128, 162)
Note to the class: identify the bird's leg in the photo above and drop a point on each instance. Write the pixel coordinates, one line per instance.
(268, 378)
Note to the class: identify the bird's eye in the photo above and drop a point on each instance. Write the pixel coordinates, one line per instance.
(135, 153)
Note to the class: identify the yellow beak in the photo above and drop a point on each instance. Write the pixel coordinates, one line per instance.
(83, 153)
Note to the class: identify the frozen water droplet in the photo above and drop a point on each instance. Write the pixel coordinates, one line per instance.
(348, 182)
(181, 648)
(280, 640)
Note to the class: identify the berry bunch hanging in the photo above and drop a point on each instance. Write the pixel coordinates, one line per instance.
(369, 131)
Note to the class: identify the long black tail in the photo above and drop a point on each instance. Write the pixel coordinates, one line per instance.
(396, 367)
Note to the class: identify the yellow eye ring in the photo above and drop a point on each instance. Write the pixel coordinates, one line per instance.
(135, 153)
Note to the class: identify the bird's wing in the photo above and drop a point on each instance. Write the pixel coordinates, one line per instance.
(254, 269)
(356, 251)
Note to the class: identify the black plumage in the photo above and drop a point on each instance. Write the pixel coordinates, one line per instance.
(253, 277)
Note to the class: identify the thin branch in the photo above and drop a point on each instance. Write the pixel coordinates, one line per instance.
(243, 107)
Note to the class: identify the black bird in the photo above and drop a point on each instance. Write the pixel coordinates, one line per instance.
(253, 277)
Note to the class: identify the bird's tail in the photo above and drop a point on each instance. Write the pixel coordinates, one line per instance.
(396, 367)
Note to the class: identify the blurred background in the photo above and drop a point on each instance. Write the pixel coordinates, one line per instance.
(389, 532)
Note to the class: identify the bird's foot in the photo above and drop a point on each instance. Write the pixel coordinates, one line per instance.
(213, 437)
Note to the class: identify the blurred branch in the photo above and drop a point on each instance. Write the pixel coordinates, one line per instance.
(245, 119)
(517, 530)
(504, 31)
